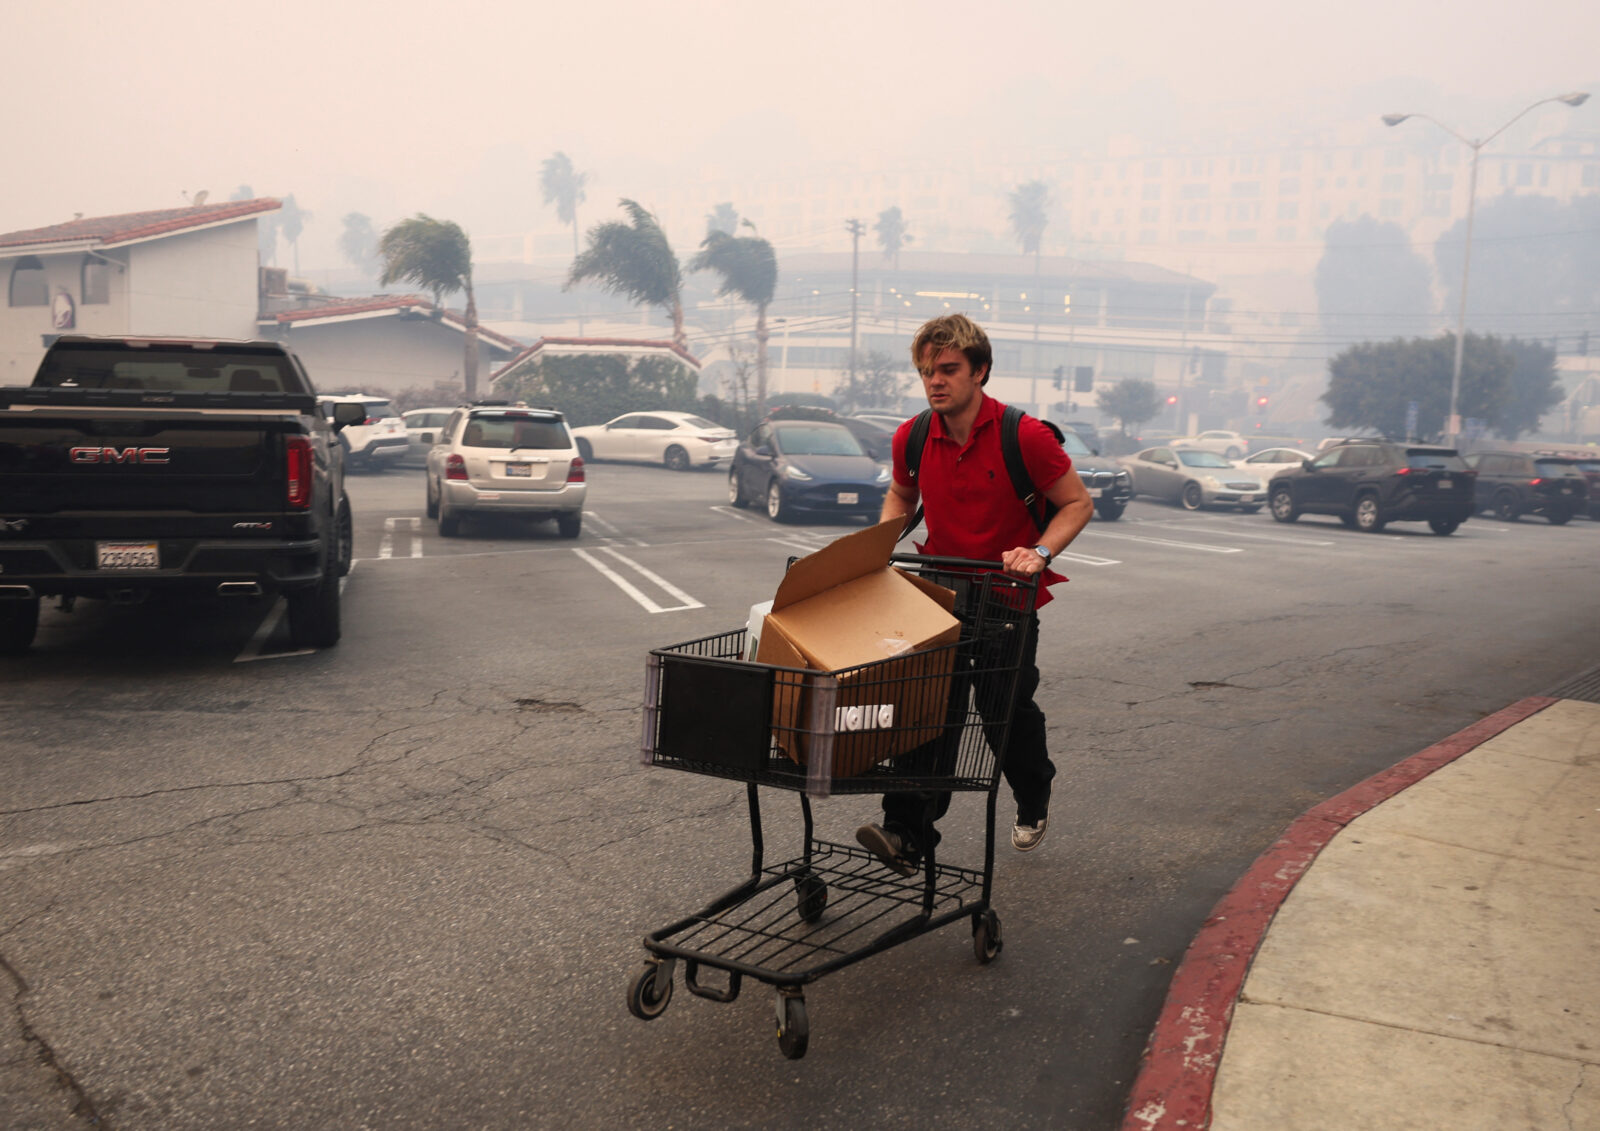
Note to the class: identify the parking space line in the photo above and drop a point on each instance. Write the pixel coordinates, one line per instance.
(607, 524)
(731, 512)
(269, 624)
(1229, 532)
(1084, 559)
(795, 543)
(411, 523)
(1204, 547)
(633, 590)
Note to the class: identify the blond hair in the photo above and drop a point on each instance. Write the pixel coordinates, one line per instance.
(954, 331)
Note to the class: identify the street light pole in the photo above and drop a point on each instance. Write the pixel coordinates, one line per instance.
(1576, 98)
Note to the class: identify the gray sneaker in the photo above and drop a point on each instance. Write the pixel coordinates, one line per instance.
(886, 846)
(1025, 838)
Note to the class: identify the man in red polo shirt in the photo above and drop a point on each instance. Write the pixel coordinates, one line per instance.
(972, 511)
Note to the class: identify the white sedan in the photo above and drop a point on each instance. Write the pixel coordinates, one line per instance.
(1268, 463)
(1230, 445)
(680, 440)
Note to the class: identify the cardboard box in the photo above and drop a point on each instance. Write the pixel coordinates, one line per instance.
(843, 607)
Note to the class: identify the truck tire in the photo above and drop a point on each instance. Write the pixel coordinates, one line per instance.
(344, 527)
(314, 612)
(19, 620)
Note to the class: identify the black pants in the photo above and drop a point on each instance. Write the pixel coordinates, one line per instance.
(1028, 769)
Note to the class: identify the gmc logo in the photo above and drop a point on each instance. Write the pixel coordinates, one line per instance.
(119, 455)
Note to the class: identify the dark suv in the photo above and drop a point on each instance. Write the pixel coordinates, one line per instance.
(1369, 483)
(1590, 466)
(1512, 484)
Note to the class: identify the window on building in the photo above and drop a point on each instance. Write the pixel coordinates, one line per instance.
(1544, 176)
(1195, 191)
(96, 280)
(1199, 213)
(1152, 169)
(1439, 182)
(1285, 234)
(1289, 163)
(28, 286)
(1150, 215)
(1591, 176)
(1246, 188)
(1289, 186)
(1288, 210)
(1394, 182)
(1525, 173)
(1393, 157)
(1389, 208)
(1324, 210)
(1190, 235)
(1241, 235)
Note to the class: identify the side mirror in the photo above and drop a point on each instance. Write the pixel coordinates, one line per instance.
(345, 414)
(763, 451)
(1309, 465)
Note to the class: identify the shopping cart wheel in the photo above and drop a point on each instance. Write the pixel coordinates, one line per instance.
(794, 1032)
(649, 993)
(812, 895)
(986, 941)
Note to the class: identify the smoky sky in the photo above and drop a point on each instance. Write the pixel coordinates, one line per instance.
(394, 107)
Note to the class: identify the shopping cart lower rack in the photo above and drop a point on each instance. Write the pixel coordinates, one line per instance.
(710, 711)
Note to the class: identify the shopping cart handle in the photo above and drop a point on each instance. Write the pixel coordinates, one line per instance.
(955, 563)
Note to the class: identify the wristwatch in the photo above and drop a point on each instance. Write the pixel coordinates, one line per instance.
(1044, 552)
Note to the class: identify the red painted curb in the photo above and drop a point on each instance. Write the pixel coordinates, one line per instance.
(1179, 1068)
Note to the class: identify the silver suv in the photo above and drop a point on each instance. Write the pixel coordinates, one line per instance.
(498, 458)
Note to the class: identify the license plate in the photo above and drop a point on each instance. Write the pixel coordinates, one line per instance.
(127, 555)
(848, 498)
(1566, 490)
(1095, 492)
(522, 470)
(1446, 484)
(1247, 498)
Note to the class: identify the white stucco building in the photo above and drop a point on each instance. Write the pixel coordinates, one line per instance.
(181, 271)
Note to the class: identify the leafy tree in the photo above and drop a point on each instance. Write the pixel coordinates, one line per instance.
(1371, 385)
(1132, 400)
(292, 221)
(1535, 388)
(1030, 215)
(594, 388)
(892, 233)
(436, 255)
(1370, 283)
(882, 380)
(749, 271)
(562, 186)
(722, 219)
(636, 261)
(359, 241)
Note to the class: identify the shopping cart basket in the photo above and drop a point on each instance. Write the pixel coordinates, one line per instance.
(710, 711)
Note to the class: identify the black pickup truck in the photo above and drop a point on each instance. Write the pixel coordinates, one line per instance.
(137, 466)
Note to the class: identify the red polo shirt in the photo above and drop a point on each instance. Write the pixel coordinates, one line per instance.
(971, 508)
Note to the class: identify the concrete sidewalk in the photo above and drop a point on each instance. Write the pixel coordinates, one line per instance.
(1419, 952)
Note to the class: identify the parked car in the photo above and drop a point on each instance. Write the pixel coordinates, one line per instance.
(1194, 478)
(887, 420)
(1269, 461)
(423, 426)
(377, 442)
(876, 439)
(1512, 484)
(1590, 466)
(1369, 483)
(1088, 433)
(1110, 484)
(505, 459)
(817, 466)
(680, 440)
(1230, 445)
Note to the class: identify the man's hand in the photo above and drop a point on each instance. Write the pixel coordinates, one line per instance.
(1024, 561)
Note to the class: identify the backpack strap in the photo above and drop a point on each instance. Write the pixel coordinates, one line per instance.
(915, 443)
(1016, 466)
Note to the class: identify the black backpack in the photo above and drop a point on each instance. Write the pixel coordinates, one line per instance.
(1041, 509)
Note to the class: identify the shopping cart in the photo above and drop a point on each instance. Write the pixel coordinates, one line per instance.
(710, 711)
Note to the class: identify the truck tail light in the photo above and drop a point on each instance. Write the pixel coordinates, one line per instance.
(299, 463)
(1534, 482)
(455, 467)
(575, 472)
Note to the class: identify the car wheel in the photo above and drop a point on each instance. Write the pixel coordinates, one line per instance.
(676, 459)
(1250, 510)
(19, 620)
(1109, 511)
(736, 491)
(314, 612)
(585, 449)
(433, 500)
(1192, 497)
(1369, 517)
(1282, 504)
(449, 524)
(1505, 506)
(1233, 453)
(1558, 517)
(344, 525)
(1444, 525)
(777, 511)
(569, 523)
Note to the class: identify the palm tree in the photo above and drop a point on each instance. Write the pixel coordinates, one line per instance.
(293, 220)
(437, 255)
(723, 219)
(636, 261)
(749, 270)
(562, 186)
(358, 241)
(1030, 214)
(892, 233)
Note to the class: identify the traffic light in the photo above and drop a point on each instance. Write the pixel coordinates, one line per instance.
(1173, 399)
(1083, 379)
(1261, 406)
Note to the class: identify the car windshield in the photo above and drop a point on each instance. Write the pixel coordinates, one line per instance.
(516, 432)
(1435, 461)
(379, 410)
(175, 371)
(1073, 444)
(1590, 465)
(816, 440)
(1201, 459)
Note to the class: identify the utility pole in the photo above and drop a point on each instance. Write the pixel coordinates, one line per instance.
(855, 228)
